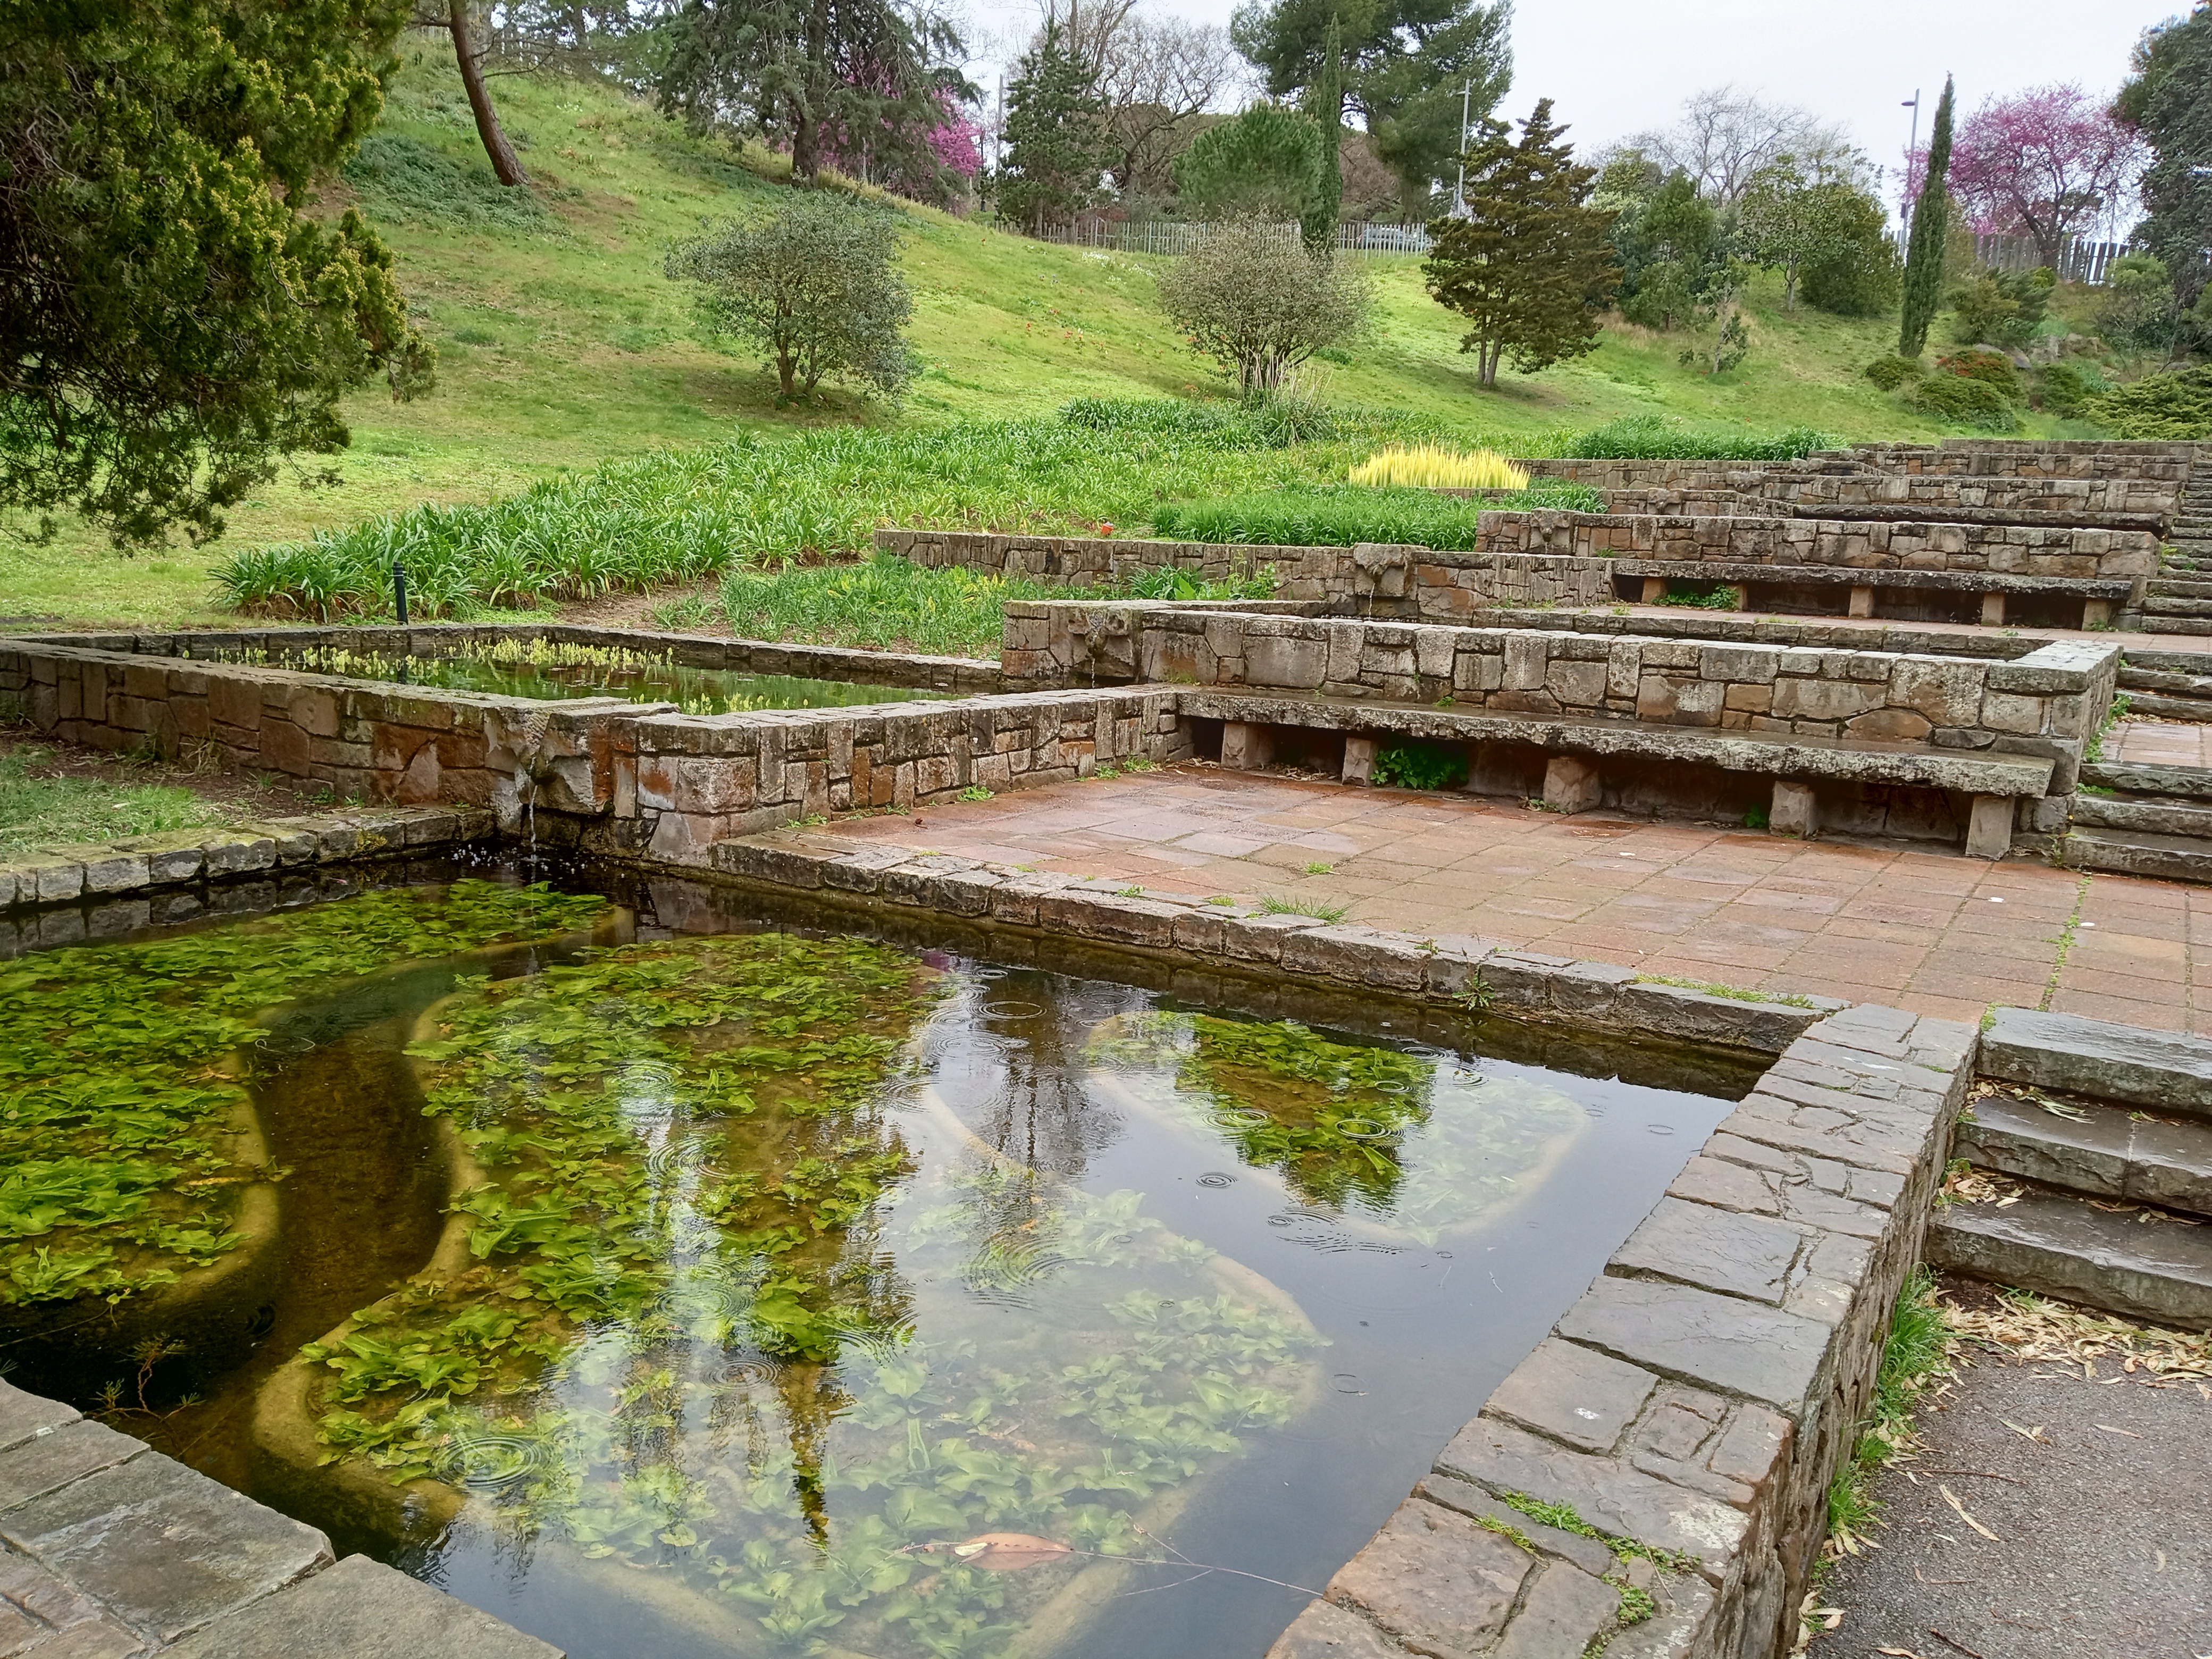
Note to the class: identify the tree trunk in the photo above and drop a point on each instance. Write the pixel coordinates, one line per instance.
(504, 160)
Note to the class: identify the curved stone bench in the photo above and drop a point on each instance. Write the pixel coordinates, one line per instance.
(1577, 749)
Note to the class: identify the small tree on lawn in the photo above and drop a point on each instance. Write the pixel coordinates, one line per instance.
(1532, 267)
(1261, 303)
(815, 284)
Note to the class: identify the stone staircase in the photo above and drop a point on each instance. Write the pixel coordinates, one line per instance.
(2100, 1136)
(2185, 577)
(2140, 820)
(2169, 686)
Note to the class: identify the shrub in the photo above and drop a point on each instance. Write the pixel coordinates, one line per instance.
(1434, 466)
(815, 284)
(1993, 367)
(1648, 437)
(2000, 307)
(1891, 373)
(1956, 397)
(2064, 387)
(1260, 304)
(1345, 515)
(2139, 310)
(1421, 765)
(2167, 407)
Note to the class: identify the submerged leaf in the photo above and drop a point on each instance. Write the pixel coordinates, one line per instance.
(1008, 1551)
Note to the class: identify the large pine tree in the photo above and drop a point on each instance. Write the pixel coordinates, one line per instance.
(1931, 229)
(2169, 98)
(1531, 267)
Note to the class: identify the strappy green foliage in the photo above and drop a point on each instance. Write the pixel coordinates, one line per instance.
(114, 1093)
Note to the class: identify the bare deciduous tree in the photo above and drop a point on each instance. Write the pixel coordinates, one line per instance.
(1724, 136)
(1156, 76)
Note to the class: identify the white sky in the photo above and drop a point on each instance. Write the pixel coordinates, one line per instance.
(1614, 67)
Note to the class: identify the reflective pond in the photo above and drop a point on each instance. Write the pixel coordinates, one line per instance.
(554, 671)
(670, 1278)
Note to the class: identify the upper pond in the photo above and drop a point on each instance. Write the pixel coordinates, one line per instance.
(674, 1280)
(554, 671)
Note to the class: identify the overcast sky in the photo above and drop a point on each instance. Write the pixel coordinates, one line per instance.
(1614, 67)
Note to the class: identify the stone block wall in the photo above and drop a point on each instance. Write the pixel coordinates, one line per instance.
(1694, 1406)
(1859, 545)
(1834, 488)
(681, 783)
(2048, 702)
(363, 740)
(2166, 464)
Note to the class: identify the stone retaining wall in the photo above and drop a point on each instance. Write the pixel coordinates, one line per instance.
(1694, 1406)
(2166, 464)
(2049, 702)
(1862, 545)
(1841, 489)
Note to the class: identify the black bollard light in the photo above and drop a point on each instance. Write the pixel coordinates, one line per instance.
(399, 590)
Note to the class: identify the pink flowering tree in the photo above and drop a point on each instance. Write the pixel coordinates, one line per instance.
(2044, 163)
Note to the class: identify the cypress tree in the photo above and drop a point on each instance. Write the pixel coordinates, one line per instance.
(1319, 222)
(1931, 229)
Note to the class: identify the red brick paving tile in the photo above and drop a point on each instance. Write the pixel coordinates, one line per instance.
(2154, 1016)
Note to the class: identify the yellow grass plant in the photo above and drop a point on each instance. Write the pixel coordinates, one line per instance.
(1434, 466)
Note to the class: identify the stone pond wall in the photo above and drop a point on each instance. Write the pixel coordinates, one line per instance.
(1694, 1405)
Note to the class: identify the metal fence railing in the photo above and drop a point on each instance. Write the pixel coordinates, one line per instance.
(1183, 235)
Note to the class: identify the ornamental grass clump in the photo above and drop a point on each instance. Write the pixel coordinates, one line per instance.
(1436, 466)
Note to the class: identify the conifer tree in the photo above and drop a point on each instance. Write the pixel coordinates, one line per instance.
(1531, 267)
(1319, 222)
(1055, 136)
(1931, 227)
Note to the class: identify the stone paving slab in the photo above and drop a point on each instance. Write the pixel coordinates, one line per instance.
(1923, 931)
(361, 1609)
(160, 1546)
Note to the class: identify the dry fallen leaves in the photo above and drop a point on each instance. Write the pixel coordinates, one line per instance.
(2035, 1327)
(1007, 1551)
(1952, 1499)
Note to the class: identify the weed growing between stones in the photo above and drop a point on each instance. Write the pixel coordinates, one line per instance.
(1277, 904)
(1421, 765)
(121, 1074)
(1733, 992)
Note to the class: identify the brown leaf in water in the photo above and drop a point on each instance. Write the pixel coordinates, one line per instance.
(1007, 1552)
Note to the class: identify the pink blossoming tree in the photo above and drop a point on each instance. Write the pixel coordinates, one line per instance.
(2044, 163)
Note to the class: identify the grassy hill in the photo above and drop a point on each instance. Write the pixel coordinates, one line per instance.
(562, 344)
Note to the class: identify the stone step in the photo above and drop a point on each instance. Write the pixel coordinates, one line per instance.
(2160, 605)
(2136, 778)
(2151, 703)
(2155, 679)
(2179, 587)
(2163, 1072)
(2159, 1270)
(2158, 818)
(2176, 625)
(2140, 853)
(2105, 1152)
(2168, 708)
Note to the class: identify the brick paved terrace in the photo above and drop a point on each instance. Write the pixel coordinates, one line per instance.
(1926, 931)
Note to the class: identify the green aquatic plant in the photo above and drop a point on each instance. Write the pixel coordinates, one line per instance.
(122, 1100)
(701, 1213)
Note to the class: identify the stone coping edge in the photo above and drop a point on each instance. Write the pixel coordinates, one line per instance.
(110, 1549)
(1458, 967)
(64, 874)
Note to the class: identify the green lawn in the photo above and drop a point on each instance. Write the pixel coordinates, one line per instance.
(58, 811)
(563, 344)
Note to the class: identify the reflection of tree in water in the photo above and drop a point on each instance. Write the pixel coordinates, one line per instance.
(1008, 1059)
